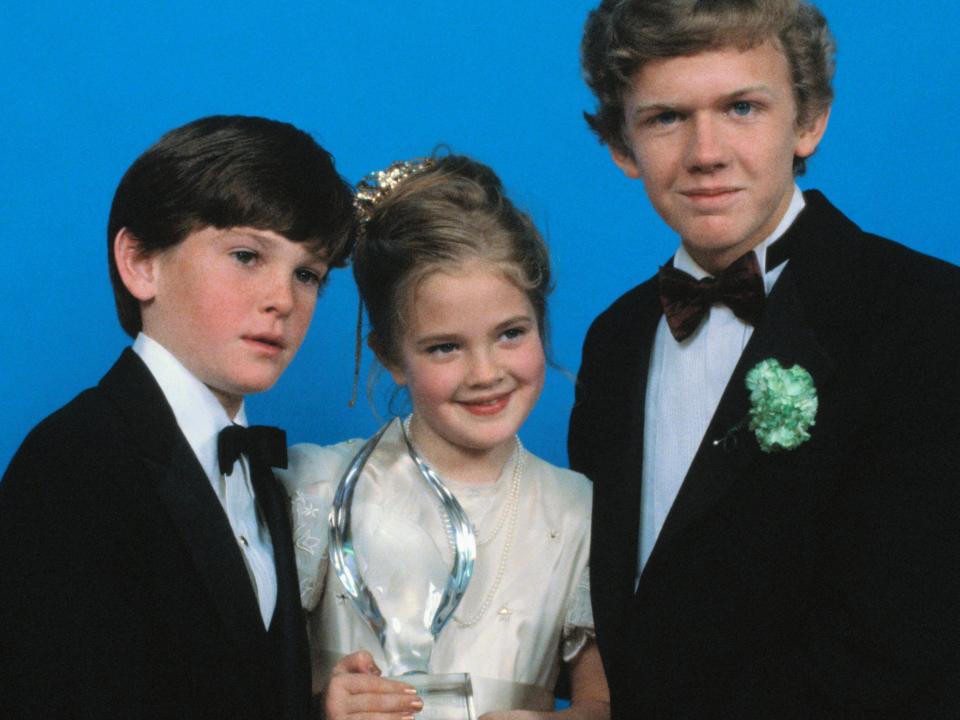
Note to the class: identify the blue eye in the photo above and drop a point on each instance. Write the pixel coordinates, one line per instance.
(742, 108)
(514, 333)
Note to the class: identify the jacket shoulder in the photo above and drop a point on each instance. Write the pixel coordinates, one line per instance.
(837, 240)
(74, 431)
(78, 457)
(624, 307)
(895, 260)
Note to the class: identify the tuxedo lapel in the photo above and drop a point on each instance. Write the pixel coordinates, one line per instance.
(635, 346)
(728, 447)
(203, 526)
(184, 493)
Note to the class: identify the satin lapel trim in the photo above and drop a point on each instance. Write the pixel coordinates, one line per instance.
(783, 333)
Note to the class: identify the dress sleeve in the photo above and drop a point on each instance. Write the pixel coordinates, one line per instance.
(578, 623)
(311, 479)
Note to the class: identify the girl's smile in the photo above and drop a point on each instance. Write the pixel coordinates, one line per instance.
(487, 407)
(472, 359)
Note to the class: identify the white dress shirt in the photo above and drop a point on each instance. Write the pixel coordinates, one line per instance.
(684, 385)
(201, 417)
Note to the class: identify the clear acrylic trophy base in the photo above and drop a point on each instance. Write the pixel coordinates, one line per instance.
(445, 697)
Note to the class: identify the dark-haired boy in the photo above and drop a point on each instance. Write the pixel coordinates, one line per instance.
(147, 571)
(746, 563)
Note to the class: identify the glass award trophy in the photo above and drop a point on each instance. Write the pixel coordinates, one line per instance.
(405, 570)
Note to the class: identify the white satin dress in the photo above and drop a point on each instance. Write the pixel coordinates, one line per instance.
(540, 613)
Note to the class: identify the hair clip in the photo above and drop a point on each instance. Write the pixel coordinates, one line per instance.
(378, 185)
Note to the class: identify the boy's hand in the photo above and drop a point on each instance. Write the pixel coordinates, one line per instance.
(357, 692)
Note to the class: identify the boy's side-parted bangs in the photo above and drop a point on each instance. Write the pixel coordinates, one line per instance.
(230, 171)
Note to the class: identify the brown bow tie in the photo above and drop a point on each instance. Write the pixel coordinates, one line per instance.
(686, 300)
(263, 444)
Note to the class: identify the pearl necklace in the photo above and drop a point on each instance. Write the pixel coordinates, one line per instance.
(510, 510)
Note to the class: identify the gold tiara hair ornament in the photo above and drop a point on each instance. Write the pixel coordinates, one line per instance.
(377, 185)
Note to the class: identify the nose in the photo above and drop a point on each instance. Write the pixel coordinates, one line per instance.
(278, 295)
(706, 151)
(484, 369)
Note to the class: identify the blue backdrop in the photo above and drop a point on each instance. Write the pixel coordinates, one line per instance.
(86, 87)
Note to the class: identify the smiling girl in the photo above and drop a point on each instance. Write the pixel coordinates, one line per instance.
(455, 279)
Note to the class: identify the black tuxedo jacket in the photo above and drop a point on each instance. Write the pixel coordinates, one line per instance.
(123, 593)
(818, 582)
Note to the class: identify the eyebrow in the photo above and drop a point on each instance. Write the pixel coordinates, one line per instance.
(515, 320)
(252, 234)
(729, 97)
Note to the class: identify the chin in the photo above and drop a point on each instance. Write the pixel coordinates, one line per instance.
(252, 386)
(496, 436)
(711, 247)
(707, 239)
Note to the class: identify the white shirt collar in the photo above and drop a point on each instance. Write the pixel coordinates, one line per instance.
(199, 414)
(683, 261)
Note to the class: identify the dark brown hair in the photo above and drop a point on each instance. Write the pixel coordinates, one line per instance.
(230, 171)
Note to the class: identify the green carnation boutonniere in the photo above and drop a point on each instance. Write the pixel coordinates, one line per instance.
(783, 405)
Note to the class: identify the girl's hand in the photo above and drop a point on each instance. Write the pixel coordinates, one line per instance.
(357, 692)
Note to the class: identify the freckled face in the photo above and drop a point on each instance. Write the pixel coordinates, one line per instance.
(713, 136)
(233, 305)
(472, 359)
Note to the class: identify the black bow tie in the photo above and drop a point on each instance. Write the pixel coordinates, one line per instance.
(262, 444)
(686, 300)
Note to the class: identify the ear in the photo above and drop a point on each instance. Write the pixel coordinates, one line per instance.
(396, 372)
(625, 162)
(138, 270)
(809, 137)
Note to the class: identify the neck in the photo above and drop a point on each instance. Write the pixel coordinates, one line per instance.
(718, 262)
(230, 403)
(461, 464)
